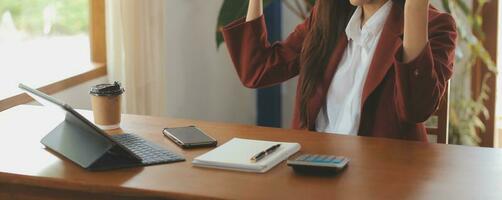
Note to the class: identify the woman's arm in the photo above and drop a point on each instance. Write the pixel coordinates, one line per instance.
(258, 62)
(255, 10)
(416, 14)
(421, 78)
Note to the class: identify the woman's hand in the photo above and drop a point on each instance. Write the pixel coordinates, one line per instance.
(255, 10)
(416, 33)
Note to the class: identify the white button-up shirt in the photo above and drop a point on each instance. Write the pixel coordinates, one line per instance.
(342, 111)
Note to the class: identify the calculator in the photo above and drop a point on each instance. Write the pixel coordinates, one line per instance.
(314, 163)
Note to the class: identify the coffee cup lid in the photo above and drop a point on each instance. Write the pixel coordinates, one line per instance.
(114, 89)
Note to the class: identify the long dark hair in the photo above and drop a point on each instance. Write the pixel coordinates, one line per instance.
(328, 23)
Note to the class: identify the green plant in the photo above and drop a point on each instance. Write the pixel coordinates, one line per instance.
(72, 16)
(466, 110)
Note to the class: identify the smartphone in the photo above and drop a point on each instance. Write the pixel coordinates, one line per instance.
(189, 137)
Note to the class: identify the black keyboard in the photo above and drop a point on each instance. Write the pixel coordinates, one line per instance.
(147, 151)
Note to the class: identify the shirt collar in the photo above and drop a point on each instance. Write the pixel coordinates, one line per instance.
(371, 28)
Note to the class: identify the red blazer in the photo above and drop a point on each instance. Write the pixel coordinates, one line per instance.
(397, 97)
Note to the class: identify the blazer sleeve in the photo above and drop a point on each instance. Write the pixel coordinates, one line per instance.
(421, 83)
(257, 62)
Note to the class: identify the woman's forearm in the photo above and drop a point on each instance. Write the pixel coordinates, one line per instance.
(415, 28)
(255, 9)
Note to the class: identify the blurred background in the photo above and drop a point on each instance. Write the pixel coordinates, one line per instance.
(169, 57)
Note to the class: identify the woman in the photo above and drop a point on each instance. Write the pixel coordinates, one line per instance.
(367, 67)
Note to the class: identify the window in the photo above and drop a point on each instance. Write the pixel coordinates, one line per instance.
(45, 41)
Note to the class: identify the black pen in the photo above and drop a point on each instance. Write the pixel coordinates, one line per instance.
(262, 154)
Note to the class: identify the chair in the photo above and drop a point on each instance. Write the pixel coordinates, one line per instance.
(437, 125)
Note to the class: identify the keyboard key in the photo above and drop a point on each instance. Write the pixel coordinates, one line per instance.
(149, 153)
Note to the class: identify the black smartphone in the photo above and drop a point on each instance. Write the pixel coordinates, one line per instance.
(189, 137)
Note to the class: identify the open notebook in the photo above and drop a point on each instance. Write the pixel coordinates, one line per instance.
(236, 155)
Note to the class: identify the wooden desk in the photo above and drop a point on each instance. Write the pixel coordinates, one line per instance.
(380, 168)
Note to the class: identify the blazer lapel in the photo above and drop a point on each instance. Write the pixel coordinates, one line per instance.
(384, 56)
(388, 45)
(319, 98)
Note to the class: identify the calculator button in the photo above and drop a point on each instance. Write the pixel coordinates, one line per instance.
(329, 159)
(337, 160)
(311, 158)
(302, 157)
(307, 158)
(319, 159)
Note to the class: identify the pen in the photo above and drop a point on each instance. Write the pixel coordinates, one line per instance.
(262, 154)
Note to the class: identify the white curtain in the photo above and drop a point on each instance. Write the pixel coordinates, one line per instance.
(136, 49)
